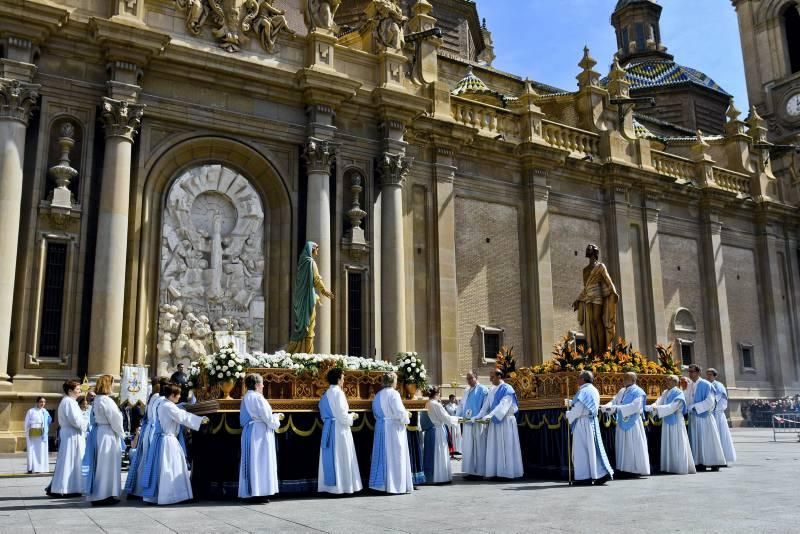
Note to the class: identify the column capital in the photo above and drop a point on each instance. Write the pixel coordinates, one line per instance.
(319, 154)
(17, 100)
(394, 168)
(121, 118)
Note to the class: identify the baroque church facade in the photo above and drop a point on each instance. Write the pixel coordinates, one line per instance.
(164, 161)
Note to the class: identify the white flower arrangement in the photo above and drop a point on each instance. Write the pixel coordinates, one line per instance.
(411, 369)
(225, 365)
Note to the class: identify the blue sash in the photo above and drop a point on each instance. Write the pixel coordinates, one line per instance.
(429, 446)
(585, 397)
(503, 391)
(632, 393)
(377, 472)
(136, 456)
(719, 390)
(46, 419)
(673, 395)
(89, 463)
(152, 466)
(701, 392)
(328, 441)
(474, 402)
(245, 420)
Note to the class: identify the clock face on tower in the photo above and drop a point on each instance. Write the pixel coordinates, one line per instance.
(793, 106)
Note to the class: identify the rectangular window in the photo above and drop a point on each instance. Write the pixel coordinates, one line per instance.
(492, 341)
(686, 351)
(625, 41)
(640, 39)
(355, 344)
(748, 360)
(53, 300)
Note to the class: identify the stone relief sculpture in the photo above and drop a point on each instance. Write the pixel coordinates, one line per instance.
(597, 304)
(390, 23)
(266, 21)
(227, 21)
(319, 14)
(212, 263)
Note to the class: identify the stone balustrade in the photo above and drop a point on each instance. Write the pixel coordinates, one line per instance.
(578, 142)
(490, 120)
(674, 166)
(735, 182)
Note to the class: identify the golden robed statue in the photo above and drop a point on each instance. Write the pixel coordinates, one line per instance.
(597, 304)
(307, 290)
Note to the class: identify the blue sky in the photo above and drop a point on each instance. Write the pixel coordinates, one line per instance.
(544, 39)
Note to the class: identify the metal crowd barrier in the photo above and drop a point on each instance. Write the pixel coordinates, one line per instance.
(785, 423)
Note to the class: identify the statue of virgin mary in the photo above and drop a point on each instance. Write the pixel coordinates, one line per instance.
(307, 290)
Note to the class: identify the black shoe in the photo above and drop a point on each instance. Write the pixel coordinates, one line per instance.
(602, 480)
(472, 477)
(110, 501)
(700, 468)
(715, 469)
(585, 482)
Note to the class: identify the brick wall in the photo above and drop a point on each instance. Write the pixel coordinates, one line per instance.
(487, 276)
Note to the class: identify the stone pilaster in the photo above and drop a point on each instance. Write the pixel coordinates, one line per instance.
(445, 173)
(652, 248)
(620, 260)
(17, 101)
(319, 155)
(121, 120)
(718, 324)
(393, 168)
(542, 316)
(782, 371)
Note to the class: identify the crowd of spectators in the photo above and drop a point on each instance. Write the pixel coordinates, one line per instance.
(759, 412)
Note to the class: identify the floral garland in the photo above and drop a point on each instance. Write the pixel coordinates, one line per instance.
(311, 363)
(411, 369)
(621, 358)
(227, 364)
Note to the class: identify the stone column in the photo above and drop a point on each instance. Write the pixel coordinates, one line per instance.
(394, 169)
(542, 291)
(319, 154)
(447, 288)
(718, 323)
(17, 100)
(121, 119)
(656, 283)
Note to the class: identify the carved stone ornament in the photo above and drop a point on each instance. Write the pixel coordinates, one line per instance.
(212, 264)
(389, 24)
(229, 19)
(121, 118)
(319, 14)
(17, 100)
(394, 168)
(319, 154)
(63, 172)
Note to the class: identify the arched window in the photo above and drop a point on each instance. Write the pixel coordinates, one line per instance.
(791, 25)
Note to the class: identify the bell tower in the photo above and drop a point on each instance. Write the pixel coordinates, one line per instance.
(637, 25)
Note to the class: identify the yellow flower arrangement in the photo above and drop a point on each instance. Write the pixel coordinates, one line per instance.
(619, 358)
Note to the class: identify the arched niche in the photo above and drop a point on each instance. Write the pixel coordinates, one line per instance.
(684, 321)
(240, 183)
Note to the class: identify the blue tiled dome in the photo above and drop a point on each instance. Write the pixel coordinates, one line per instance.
(664, 72)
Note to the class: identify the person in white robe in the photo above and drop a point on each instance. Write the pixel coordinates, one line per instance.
(338, 464)
(721, 395)
(473, 448)
(589, 459)
(134, 483)
(168, 452)
(102, 463)
(503, 452)
(629, 437)
(390, 469)
(67, 480)
(455, 429)
(37, 431)
(258, 468)
(436, 454)
(703, 431)
(676, 454)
